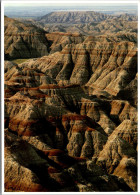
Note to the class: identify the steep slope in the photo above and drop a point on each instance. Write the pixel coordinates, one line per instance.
(74, 17)
(70, 115)
(104, 65)
(88, 23)
(130, 92)
(55, 104)
(23, 40)
(107, 26)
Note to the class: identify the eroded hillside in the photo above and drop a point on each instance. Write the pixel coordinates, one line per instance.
(70, 115)
(86, 22)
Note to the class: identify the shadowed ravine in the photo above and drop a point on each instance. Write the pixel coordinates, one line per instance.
(70, 108)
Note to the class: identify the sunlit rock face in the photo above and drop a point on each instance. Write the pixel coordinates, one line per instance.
(70, 115)
(23, 40)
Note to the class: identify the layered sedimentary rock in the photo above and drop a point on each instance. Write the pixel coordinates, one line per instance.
(71, 115)
(23, 40)
(27, 39)
(74, 17)
(108, 26)
(105, 65)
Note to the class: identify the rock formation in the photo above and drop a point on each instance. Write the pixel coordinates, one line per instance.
(23, 40)
(74, 17)
(70, 115)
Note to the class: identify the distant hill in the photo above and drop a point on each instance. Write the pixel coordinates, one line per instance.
(74, 17)
(81, 17)
(87, 22)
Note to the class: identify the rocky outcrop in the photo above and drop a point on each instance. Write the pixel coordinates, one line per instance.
(74, 17)
(109, 66)
(127, 169)
(71, 115)
(88, 23)
(125, 28)
(23, 40)
(28, 40)
(131, 91)
(46, 168)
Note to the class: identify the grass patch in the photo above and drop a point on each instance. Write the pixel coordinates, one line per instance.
(19, 61)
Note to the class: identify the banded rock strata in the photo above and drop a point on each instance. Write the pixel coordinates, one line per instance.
(71, 115)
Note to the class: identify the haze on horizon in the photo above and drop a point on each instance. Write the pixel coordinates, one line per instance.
(37, 10)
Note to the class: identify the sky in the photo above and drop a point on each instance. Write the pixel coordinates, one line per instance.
(39, 8)
(66, 3)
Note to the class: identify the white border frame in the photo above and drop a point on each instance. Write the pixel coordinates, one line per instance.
(2, 87)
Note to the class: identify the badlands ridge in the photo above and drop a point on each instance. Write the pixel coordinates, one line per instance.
(71, 107)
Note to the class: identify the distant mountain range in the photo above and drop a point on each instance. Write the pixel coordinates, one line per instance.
(76, 17)
(85, 22)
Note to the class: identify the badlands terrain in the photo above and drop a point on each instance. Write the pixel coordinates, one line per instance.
(71, 103)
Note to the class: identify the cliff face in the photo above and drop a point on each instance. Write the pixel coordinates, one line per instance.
(23, 40)
(71, 115)
(106, 66)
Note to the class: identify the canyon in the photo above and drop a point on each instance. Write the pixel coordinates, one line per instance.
(71, 106)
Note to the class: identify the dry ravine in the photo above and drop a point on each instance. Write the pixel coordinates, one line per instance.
(70, 108)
